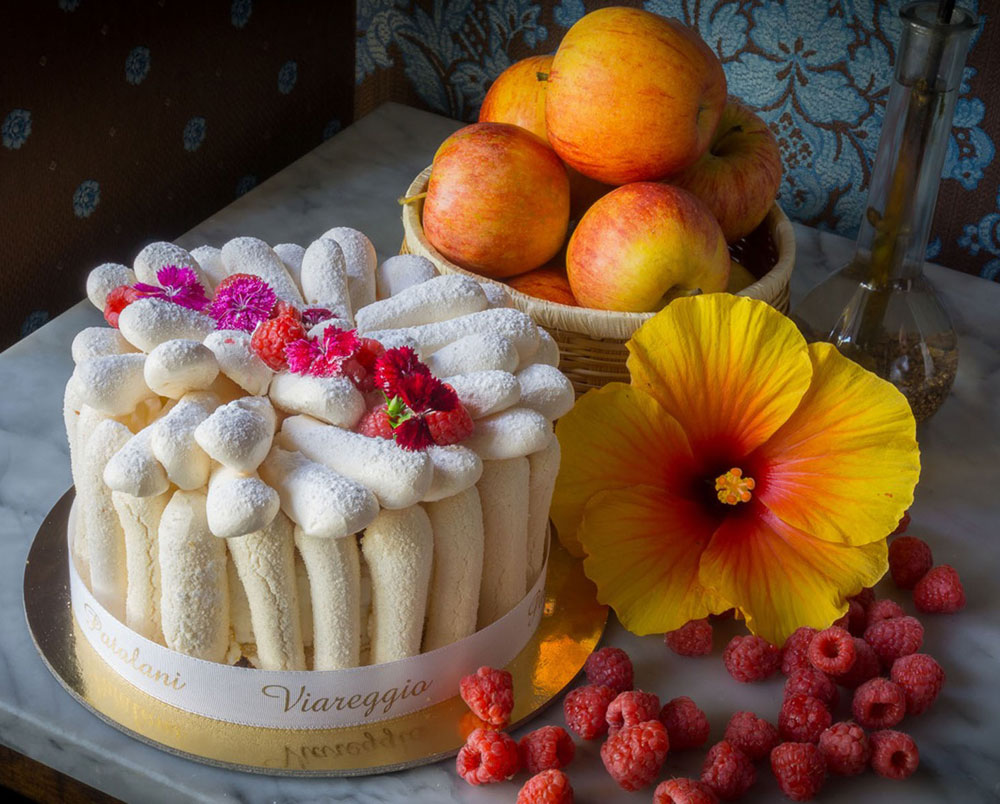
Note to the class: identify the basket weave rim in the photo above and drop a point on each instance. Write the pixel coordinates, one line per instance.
(596, 323)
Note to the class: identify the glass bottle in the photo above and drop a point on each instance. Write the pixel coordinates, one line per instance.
(879, 309)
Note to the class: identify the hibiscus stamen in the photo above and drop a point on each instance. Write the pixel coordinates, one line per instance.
(733, 488)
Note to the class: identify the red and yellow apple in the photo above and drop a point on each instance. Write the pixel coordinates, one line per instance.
(644, 244)
(497, 200)
(739, 175)
(632, 96)
(548, 282)
(518, 97)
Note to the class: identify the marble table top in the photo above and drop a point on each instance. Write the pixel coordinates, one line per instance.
(354, 180)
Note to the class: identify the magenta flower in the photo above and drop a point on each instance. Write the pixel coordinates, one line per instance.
(326, 360)
(242, 302)
(301, 354)
(312, 316)
(177, 285)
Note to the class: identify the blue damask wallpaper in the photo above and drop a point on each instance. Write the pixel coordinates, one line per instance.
(818, 71)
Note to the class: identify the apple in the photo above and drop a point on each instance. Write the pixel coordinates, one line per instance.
(739, 175)
(644, 244)
(518, 97)
(739, 278)
(548, 282)
(632, 96)
(497, 200)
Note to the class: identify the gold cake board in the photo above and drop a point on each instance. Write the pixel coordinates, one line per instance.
(571, 625)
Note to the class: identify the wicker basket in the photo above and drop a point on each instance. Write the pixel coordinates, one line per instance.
(592, 342)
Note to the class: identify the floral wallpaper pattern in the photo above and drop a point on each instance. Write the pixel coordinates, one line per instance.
(122, 123)
(818, 71)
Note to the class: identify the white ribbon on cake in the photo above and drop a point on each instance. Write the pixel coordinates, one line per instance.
(304, 699)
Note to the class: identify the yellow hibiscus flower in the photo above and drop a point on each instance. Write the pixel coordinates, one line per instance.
(741, 468)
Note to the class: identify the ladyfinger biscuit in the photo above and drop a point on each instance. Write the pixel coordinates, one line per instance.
(140, 520)
(399, 550)
(453, 602)
(333, 566)
(503, 493)
(195, 600)
(265, 561)
(544, 466)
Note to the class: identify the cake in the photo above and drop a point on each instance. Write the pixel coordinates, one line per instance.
(302, 460)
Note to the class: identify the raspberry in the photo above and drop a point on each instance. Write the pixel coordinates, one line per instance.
(845, 748)
(940, 591)
(865, 597)
(752, 735)
(683, 791)
(687, 726)
(586, 708)
(489, 693)
(549, 747)
(883, 610)
(815, 683)
(795, 654)
(893, 638)
(832, 651)
(449, 426)
(894, 754)
(727, 771)
(694, 638)
(920, 678)
(802, 718)
(272, 336)
(375, 423)
(857, 616)
(799, 769)
(751, 658)
(910, 559)
(902, 525)
(548, 787)
(878, 704)
(117, 300)
(631, 707)
(488, 756)
(610, 667)
(635, 755)
(284, 308)
(865, 666)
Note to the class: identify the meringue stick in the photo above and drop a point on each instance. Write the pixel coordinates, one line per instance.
(496, 294)
(510, 433)
(187, 465)
(324, 278)
(511, 324)
(140, 519)
(149, 321)
(548, 351)
(155, 256)
(480, 351)
(210, 260)
(291, 255)
(360, 261)
(195, 600)
(399, 550)
(503, 492)
(265, 561)
(238, 504)
(335, 400)
(98, 342)
(398, 478)
(114, 384)
(546, 389)
(250, 255)
(105, 278)
(334, 570)
(485, 392)
(134, 468)
(322, 502)
(453, 602)
(105, 537)
(455, 469)
(437, 299)
(400, 272)
(544, 466)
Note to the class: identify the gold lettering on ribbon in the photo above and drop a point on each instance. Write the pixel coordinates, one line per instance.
(305, 756)
(301, 699)
(129, 658)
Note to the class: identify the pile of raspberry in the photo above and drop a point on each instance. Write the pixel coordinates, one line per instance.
(869, 662)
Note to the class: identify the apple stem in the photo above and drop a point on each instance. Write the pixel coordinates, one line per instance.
(542, 76)
(409, 199)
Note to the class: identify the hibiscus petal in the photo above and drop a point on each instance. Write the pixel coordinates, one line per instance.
(726, 367)
(780, 577)
(844, 465)
(643, 548)
(614, 437)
